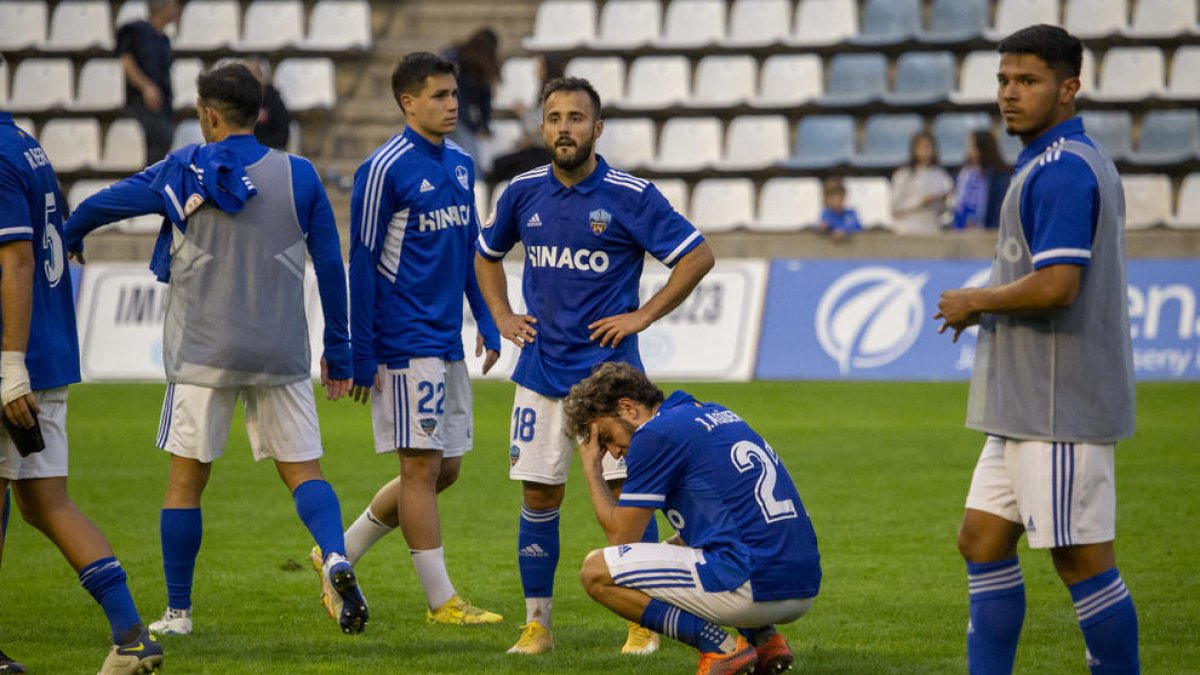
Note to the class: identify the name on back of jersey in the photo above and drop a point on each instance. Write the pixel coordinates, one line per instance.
(566, 258)
(713, 420)
(36, 158)
(440, 219)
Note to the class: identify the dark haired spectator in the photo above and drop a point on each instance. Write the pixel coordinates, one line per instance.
(146, 58)
(838, 220)
(274, 121)
(919, 189)
(981, 183)
(478, 72)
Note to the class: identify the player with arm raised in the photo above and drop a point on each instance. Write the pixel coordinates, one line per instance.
(1052, 385)
(413, 227)
(586, 228)
(744, 555)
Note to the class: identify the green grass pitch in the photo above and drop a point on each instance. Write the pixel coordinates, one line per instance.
(882, 468)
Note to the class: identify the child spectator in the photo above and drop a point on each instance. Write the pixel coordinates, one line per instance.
(837, 220)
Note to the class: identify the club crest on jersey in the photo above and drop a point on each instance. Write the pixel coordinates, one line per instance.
(192, 204)
(460, 172)
(428, 425)
(600, 220)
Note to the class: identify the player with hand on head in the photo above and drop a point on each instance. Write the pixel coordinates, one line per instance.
(586, 228)
(239, 218)
(39, 358)
(744, 553)
(413, 227)
(1053, 384)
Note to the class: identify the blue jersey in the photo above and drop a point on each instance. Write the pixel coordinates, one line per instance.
(845, 220)
(413, 223)
(31, 209)
(584, 250)
(1059, 230)
(726, 492)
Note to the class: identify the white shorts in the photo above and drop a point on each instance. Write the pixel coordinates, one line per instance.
(426, 406)
(50, 462)
(281, 421)
(668, 573)
(1063, 494)
(540, 449)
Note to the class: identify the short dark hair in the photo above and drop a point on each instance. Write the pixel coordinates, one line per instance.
(572, 84)
(597, 396)
(410, 74)
(1060, 50)
(234, 91)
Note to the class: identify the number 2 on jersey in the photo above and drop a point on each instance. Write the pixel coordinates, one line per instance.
(745, 456)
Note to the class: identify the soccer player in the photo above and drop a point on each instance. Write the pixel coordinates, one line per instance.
(744, 553)
(412, 244)
(1052, 385)
(586, 228)
(39, 357)
(239, 218)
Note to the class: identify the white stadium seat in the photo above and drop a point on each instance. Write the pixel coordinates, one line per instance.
(693, 23)
(628, 24)
(871, 198)
(131, 10)
(562, 24)
(789, 80)
(1131, 74)
(1188, 213)
(824, 22)
(757, 23)
(84, 188)
(1013, 15)
(627, 143)
(42, 84)
(657, 82)
(977, 78)
(505, 137)
(1185, 74)
(788, 205)
(1095, 18)
(71, 144)
(755, 142)
(124, 147)
(24, 24)
(183, 82)
(272, 24)
(481, 201)
(723, 81)
(1087, 74)
(101, 86)
(187, 132)
(339, 24)
(208, 24)
(1147, 200)
(518, 84)
(722, 204)
(1163, 18)
(306, 83)
(27, 124)
(675, 190)
(689, 144)
(3, 85)
(606, 73)
(80, 25)
(494, 198)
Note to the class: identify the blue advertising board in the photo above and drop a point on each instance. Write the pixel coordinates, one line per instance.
(873, 319)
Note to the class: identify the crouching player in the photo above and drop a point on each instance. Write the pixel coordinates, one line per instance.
(744, 555)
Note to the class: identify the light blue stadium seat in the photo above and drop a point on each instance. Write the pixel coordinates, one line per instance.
(1010, 146)
(889, 22)
(886, 140)
(1168, 137)
(923, 78)
(956, 20)
(855, 79)
(950, 131)
(822, 142)
(1112, 129)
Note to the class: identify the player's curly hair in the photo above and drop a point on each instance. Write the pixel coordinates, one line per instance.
(597, 396)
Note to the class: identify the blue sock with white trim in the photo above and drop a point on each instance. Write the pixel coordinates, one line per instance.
(686, 627)
(651, 534)
(318, 507)
(106, 581)
(997, 594)
(1109, 623)
(181, 531)
(537, 551)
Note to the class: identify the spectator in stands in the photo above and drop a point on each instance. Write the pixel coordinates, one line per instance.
(146, 57)
(478, 71)
(837, 220)
(919, 189)
(273, 128)
(981, 183)
(530, 152)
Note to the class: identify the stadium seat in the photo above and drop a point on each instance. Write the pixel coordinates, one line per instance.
(871, 197)
(208, 24)
(1013, 15)
(1095, 18)
(1087, 74)
(950, 131)
(923, 78)
(1147, 200)
(1163, 18)
(788, 204)
(519, 84)
(886, 139)
(889, 22)
(306, 83)
(1112, 129)
(294, 146)
(755, 142)
(1188, 213)
(71, 144)
(977, 79)
(1184, 82)
(693, 23)
(1168, 137)
(187, 132)
(183, 82)
(1010, 146)
(101, 86)
(562, 24)
(494, 197)
(81, 25)
(627, 143)
(1130, 74)
(41, 85)
(84, 188)
(131, 10)
(481, 201)
(689, 144)
(272, 24)
(336, 25)
(124, 147)
(24, 23)
(628, 24)
(822, 142)
(606, 73)
(3, 84)
(656, 82)
(855, 79)
(957, 21)
(789, 80)
(722, 204)
(505, 136)
(675, 190)
(824, 22)
(723, 81)
(758, 23)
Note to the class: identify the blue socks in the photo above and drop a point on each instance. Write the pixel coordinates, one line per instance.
(105, 580)
(537, 551)
(1109, 623)
(318, 507)
(997, 593)
(683, 626)
(181, 530)
(650, 536)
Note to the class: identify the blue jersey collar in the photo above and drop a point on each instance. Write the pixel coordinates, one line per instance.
(587, 184)
(422, 144)
(6, 118)
(1071, 127)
